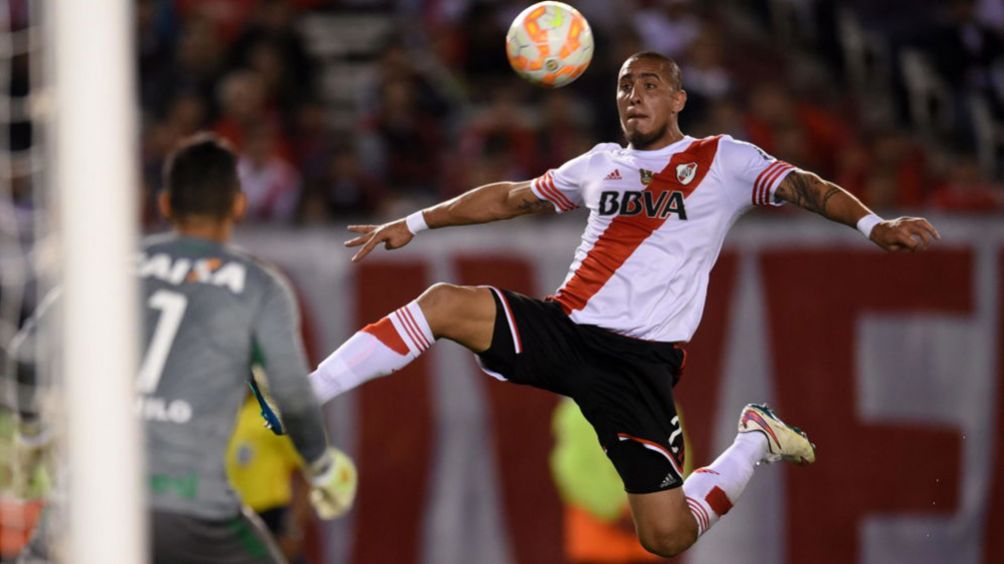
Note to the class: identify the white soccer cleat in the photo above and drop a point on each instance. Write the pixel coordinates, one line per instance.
(784, 442)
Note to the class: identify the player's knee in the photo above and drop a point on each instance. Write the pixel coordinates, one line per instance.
(446, 306)
(465, 314)
(442, 298)
(665, 541)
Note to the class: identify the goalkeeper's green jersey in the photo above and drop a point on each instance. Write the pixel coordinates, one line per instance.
(210, 312)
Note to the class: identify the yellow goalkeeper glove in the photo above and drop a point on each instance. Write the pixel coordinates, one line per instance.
(333, 481)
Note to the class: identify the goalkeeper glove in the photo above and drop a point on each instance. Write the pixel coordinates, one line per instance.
(333, 481)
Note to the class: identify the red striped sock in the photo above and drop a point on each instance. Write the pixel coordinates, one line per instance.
(378, 349)
(711, 491)
(411, 327)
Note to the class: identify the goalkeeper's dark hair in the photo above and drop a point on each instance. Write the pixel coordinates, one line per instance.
(200, 177)
(672, 69)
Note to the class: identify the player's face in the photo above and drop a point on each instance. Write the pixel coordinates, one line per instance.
(647, 103)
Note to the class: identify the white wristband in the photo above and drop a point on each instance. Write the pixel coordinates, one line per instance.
(416, 222)
(867, 223)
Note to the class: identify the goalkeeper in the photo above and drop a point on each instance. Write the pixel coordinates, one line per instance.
(210, 311)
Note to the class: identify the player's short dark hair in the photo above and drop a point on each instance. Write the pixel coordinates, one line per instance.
(200, 177)
(673, 74)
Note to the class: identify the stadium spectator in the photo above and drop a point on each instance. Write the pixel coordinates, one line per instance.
(312, 142)
(244, 102)
(195, 68)
(724, 116)
(796, 127)
(708, 80)
(227, 17)
(481, 36)
(186, 114)
(156, 41)
(407, 141)
(562, 130)
(901, 163)
(271, 46)
(346, 189)
(504, 122)
(967, 56)
(770, 107)
(966, 188)
(271, 183)
(436, 91)
(495, 159)
(666, 26)
(791, 143)
(853, 168)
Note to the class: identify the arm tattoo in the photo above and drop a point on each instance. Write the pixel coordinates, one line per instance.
(833, 191)
(804, 191)
(532, 204)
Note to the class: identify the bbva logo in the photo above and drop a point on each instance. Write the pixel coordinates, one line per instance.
(630, 203)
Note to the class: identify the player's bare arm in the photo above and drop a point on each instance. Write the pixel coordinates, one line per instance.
(491, 202)
(809, 191)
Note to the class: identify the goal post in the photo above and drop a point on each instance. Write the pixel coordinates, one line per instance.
(93, 143)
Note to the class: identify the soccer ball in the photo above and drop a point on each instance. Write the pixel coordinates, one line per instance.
(549, 44)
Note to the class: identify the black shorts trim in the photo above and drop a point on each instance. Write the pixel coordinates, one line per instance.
(623, 386)
(505, 337)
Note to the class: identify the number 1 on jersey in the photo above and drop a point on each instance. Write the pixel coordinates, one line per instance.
(172, 308)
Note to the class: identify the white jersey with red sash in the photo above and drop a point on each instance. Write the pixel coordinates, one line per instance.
(656, 225)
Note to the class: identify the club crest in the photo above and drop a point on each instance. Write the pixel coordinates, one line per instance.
(646, 176)
(685, 173)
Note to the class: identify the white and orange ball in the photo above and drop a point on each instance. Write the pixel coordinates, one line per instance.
(549, 44)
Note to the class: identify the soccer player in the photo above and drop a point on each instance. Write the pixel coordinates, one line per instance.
(612, 336)
(211, 311)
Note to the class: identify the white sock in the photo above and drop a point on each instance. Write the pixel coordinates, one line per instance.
(376, 350)
(713, 490)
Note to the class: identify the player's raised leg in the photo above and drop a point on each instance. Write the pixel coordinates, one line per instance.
(464, 314)
(670, 521)
(663, 522)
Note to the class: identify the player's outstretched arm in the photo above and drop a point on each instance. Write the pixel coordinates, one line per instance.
(276, 335)
(331, 473)
(809, 191)
(491, 202)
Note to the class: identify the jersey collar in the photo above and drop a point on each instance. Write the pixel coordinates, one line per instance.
(667, 150)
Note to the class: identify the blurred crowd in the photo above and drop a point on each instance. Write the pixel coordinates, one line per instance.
(437, 109)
